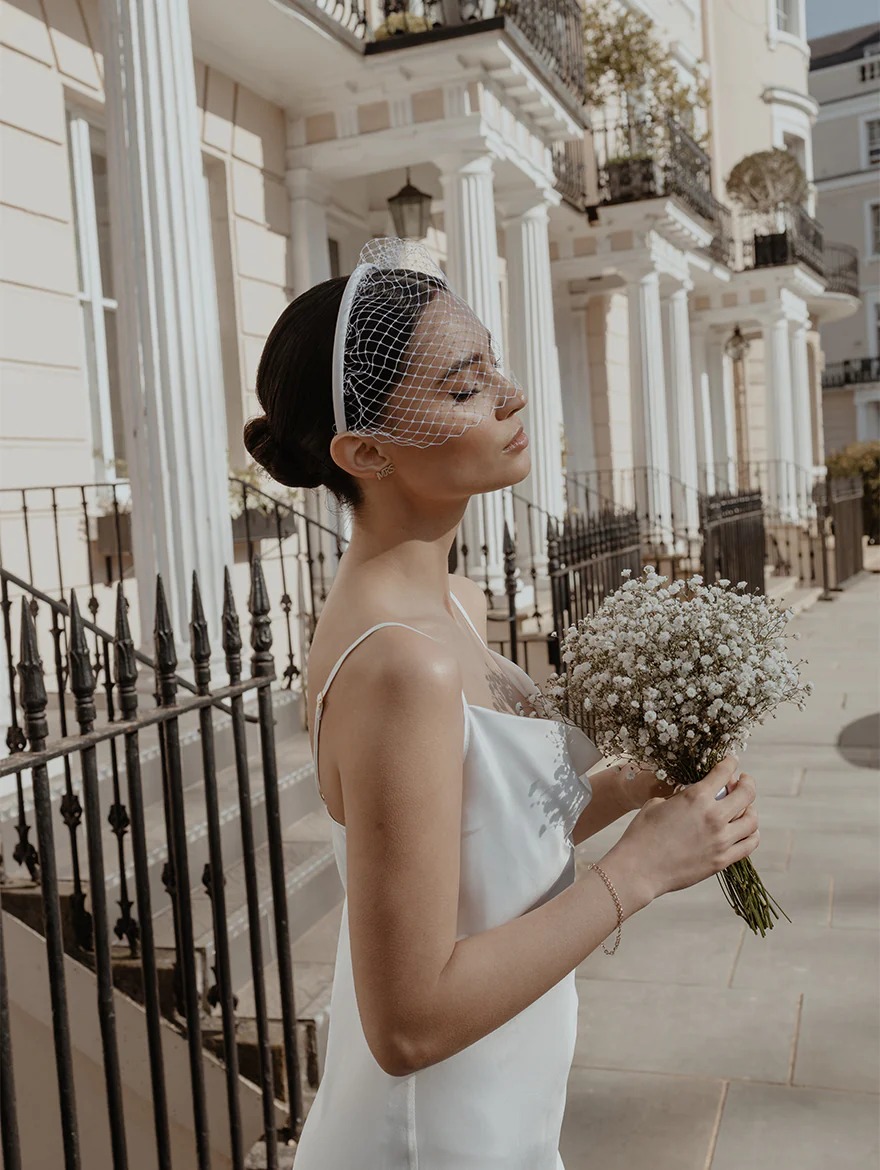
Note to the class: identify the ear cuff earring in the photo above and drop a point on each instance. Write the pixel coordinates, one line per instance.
(386, 470)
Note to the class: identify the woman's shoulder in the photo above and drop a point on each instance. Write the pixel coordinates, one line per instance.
(405, 652)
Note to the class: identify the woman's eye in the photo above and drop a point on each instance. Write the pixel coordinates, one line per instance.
(464, 395)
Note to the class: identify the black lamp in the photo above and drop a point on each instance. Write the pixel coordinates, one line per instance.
(736, 347)
(411, 211)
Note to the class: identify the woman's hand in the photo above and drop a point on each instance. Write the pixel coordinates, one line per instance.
(679, 842)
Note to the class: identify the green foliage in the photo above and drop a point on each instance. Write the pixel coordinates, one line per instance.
(856, 459)
(627, 66)
(766, 180)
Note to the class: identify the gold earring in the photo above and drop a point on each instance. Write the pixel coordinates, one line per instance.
(386, 470)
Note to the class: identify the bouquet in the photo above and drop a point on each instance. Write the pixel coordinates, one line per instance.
(674, 678)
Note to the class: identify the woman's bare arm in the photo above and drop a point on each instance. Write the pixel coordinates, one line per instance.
(603, 809)
(397, 726)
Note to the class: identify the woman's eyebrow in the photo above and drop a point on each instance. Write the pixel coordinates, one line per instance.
(461, 364)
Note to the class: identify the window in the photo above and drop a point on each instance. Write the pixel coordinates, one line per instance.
(88, 162)
(787, 17)
(874, 228)
(872, 141)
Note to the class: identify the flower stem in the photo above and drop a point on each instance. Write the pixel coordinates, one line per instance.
(748, 896)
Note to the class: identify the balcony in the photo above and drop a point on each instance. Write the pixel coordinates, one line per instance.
(788, 235)
(851, 372)
(551, 32)
(842, 269)
(568, 167)
(640, 159)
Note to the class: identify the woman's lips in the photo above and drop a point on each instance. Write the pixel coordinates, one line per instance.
(519, 440)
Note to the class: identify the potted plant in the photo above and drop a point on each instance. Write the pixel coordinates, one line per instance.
(766, 184)
(631, 80)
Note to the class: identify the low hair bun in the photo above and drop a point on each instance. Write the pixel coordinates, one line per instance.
(292, 468)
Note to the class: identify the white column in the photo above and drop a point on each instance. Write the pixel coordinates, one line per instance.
(574, 376)
(173, 400)
(705, 448)
(778, 406)
(534, 360)
(309, 246)
(310, 265)
(801, 418)
(723, 414)
(647, 382)
(472, 268)
(682, 417)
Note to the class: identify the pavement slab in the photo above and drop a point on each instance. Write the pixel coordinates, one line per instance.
(702, 1046)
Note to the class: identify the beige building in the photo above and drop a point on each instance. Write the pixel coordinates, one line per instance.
(845, 81)
(173, 174)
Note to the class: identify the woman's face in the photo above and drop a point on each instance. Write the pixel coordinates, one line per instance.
(454, 410)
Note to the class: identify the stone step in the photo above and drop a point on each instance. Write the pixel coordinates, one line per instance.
(312, 885)
(314, 963)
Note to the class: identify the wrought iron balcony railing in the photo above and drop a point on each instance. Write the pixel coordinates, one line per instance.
(641, 158)
(842, 269)
(851, 372)
(350, 15)
(553, 29)
(568, 166)
(787, 235)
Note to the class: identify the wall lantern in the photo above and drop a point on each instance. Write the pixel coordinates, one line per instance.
(736, 347)
(411, 211)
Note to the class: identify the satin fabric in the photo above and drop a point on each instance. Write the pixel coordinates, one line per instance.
(497, 1104)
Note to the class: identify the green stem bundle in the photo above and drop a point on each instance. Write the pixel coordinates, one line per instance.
(748, 896)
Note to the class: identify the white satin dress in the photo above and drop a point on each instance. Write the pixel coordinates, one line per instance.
(497, 1104)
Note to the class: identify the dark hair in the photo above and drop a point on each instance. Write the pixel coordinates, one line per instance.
(294, 377)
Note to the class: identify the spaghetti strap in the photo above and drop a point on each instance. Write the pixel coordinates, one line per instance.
(467, 617)
(319, 700)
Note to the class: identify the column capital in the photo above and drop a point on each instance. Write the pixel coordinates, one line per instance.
(527, 203)
(469, 162)
(303, 183)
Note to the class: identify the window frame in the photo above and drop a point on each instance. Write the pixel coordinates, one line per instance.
(777, 35)
(85, 134)
(864, 132)
(872, 231)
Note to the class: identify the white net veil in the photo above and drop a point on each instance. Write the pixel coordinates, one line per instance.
(412, 363)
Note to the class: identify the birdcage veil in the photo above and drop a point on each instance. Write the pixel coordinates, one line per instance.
(412, 363)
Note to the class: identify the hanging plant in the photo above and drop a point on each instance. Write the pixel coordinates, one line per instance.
(766, 180)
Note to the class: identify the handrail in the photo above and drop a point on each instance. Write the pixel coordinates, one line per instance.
(64, 609)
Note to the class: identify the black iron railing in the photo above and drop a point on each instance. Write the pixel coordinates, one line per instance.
(786, 236)
(732, 530)
(80, 535)
(851, 372)
(643, 158)
(841, 269)
(348, 14)
(121, 728)
(585, 558)
(723, 246)
(839, 501)
(552, 28)
(568, 167)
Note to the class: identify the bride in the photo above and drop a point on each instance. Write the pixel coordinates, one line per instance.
(454, 815)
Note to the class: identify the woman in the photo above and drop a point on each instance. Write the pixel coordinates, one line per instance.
(453, 1014)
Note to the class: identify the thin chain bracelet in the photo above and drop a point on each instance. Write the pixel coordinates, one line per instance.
(613, 893)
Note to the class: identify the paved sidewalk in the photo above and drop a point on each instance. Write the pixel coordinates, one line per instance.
(704, 1047)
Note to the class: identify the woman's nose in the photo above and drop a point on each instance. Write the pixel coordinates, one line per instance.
(512, 400)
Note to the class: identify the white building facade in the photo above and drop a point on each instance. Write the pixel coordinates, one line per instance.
(845, 81)
(163, 202)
